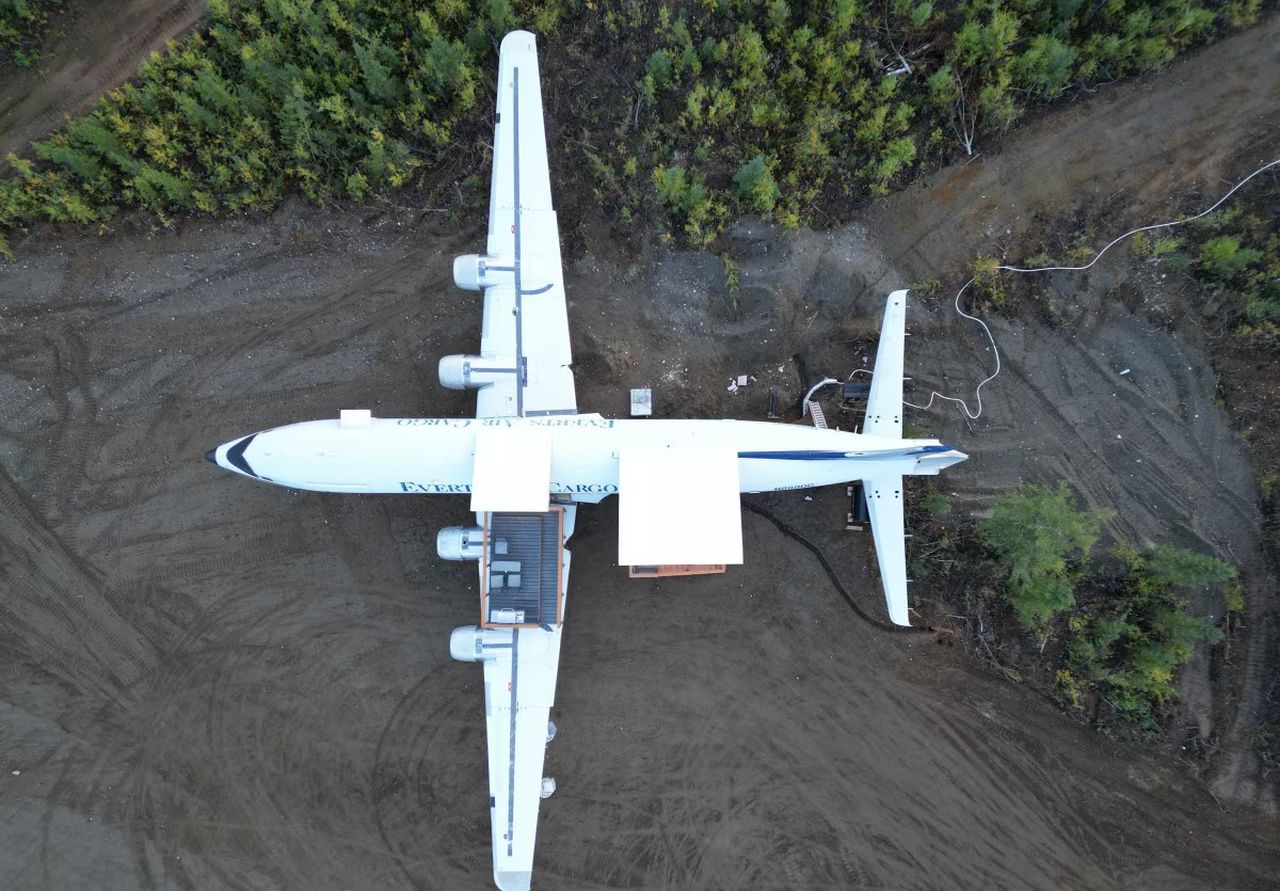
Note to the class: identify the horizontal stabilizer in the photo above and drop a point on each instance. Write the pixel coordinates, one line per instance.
(679, 506)
(884, 505)
(884, 405)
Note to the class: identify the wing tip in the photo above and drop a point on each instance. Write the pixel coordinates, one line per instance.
(512, 881)
(899, 614)
(519, 42)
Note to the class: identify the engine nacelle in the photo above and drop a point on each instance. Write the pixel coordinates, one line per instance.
(471, 372)
(460, 543)
(467, 644)
(474, 272)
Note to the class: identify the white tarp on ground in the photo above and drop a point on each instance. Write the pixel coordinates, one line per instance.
(512, 469)
(679, 506)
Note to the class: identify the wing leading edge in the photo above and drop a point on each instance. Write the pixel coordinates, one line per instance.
(525, 316)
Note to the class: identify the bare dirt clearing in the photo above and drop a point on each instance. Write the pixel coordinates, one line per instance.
(208, 683)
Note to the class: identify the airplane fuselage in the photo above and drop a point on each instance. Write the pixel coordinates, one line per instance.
(416, 456)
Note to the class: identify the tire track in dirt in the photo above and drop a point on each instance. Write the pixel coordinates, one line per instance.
(59, 610)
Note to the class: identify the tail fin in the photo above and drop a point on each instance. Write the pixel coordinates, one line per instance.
(883, 495)
(884, 405)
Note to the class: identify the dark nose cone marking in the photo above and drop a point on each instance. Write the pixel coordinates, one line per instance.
(211, 456)
(235, 455)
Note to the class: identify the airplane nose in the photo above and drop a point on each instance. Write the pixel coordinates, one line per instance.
(212, 455)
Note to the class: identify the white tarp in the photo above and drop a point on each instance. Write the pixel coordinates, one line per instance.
(512, 469)
(679, 506)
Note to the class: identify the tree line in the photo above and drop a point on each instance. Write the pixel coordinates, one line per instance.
(711, 108)
(780, 106)
(330, 98)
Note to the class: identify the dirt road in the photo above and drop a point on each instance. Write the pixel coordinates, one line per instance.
(101, 47)
(208, 683)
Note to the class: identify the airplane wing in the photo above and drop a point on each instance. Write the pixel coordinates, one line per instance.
(519, 689)
(520, 648)
(525, 326)
(525, 318)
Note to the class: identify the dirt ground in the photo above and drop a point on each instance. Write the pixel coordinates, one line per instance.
(207, 683)
(96, 45)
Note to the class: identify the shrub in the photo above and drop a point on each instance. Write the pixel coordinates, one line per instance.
(1039, 537)
(1130, 645)
(1224, 259)
(754, 184)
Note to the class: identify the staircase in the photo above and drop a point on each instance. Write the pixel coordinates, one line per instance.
(815, 412)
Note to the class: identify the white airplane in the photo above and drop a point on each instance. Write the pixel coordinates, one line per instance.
(529, 458)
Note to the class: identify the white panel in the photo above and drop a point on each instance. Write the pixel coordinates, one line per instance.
(679, 506)
(512, 469)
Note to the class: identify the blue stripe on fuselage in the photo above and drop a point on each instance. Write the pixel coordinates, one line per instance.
(814, 455)
(796, 455)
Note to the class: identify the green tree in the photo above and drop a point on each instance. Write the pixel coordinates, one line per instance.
(1131, 643)
(1046, 65)
(755, 185)
(1038, 536)
(1179, 568)
(1224, 257)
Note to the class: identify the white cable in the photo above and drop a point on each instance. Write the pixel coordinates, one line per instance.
(804, 404)
(977, 392)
